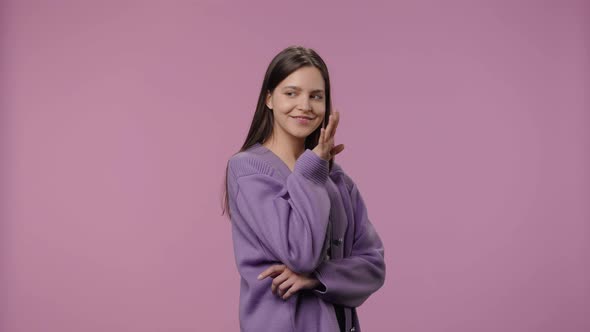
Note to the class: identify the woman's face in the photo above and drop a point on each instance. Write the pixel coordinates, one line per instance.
(300, 94)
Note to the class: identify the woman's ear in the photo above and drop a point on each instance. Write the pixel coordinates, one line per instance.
(269, 100)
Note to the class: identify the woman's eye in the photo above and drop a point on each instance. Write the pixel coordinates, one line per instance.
(293, 93)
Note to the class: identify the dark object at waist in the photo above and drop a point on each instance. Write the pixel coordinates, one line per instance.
(340, 316)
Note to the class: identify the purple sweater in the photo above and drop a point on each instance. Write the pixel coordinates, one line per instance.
(313, 222)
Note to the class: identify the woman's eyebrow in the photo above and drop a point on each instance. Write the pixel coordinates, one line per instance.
(299, 89)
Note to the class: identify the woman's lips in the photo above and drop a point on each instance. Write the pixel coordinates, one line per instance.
(302, 120)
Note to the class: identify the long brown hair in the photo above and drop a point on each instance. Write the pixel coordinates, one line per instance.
(282, 65)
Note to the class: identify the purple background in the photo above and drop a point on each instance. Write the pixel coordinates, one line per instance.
(465, 125)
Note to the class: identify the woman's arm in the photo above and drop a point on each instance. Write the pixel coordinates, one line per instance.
(289, 220)
(351, 280)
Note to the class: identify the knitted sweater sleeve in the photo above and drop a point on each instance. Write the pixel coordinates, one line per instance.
(288, 219)
(349, 281)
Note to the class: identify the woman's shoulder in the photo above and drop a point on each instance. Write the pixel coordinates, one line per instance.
(250, 161)
(257, 160)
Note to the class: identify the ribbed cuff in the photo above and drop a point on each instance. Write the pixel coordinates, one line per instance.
(312, 167)
(321, 288)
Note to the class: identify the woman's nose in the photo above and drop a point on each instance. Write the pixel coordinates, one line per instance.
(304, 104)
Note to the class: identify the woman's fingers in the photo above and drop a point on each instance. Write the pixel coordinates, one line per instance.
(271, 271)
(330, 126)
(282, 288)
(326, 129)
(337, 149)
(326, 147)
(336, 125)
(278, 281)
(292, 290)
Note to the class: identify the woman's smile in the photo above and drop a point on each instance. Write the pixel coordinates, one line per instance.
(302, 119)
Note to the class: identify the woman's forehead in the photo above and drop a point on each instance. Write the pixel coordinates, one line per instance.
(306, 78)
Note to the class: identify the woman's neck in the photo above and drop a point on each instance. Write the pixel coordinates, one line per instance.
(287, 149)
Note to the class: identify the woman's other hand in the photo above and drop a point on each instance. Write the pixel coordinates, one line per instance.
(287, 282)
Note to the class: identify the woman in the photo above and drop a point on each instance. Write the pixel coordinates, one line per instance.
(304, 247)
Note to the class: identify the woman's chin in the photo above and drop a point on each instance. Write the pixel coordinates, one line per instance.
(301, 133)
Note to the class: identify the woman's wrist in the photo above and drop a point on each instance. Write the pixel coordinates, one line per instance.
(318, 285)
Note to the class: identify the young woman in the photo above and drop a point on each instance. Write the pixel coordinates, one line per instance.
(305, 249)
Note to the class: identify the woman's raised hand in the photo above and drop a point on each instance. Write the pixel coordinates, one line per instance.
(325, 148)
